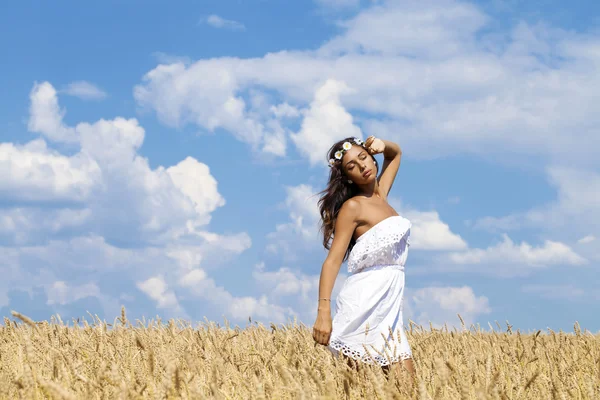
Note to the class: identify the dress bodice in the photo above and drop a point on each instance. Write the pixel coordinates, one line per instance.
(385, 243)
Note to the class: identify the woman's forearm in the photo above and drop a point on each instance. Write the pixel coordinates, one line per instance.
(392, 150)
(329, 273)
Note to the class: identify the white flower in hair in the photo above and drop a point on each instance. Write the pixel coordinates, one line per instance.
(347, 146)
(358, 141)
(339, 155)
(331, 162)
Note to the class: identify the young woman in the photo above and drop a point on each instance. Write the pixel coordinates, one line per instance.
(361, 227)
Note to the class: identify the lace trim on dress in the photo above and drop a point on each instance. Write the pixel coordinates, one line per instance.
(380, 244)
(371, 356)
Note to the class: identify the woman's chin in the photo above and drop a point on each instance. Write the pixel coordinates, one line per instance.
(369, 179)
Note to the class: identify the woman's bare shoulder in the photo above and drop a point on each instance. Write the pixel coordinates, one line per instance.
(351, 211)
(350, 208)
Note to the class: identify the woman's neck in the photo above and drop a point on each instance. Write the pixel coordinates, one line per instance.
(371, 190)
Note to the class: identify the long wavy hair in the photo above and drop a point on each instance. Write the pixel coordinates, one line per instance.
(331, 199)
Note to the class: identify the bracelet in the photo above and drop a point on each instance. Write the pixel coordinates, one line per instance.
(325, 299)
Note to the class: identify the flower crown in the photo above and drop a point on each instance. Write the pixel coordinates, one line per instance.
(345, 147)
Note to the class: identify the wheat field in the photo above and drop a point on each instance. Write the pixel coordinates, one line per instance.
(168, 360)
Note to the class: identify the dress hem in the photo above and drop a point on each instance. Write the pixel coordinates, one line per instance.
(372, 357)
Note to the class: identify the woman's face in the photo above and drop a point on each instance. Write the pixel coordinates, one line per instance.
(359, 166)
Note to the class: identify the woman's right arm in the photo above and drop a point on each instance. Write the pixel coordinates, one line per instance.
(346, 223)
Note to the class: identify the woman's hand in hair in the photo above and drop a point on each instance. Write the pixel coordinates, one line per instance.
(374, 145)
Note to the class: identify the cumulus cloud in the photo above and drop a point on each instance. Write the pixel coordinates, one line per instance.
(442, 304)
(156, 288)
(430, 29)
(435, 76)
(301, 231)
(79, 224)
(294, 287)
(215, 104)
(84, 90)
(573, 213)
(45, 115)
(286, 282)
(325, 122)
(145, 204)
(576, 202)
(508, 258)
(25, 225)
(34, 173)
(236, 307)
(60, 292)
(429, 232)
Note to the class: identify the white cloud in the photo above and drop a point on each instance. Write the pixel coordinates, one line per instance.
(60, 292)
(33, 172)
(587, 239)
(431, 29)
(219, 22)
(440, 305)
(209, 103)
(285, 110)
(325, 122)
(23, 225)
(286, 282)
(145, 204)
(572, 214)
(236, 307)
(302, 232)
(511, 259)
(84, 90)
(424, 74)
(576, 202)
(158, 271)
(158, 290)
(103, 212)
(45, 115)
(192, 278)
(429, 232)
(292, 286)
(204, 194)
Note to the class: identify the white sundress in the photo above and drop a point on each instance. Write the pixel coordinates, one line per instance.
(368, 324)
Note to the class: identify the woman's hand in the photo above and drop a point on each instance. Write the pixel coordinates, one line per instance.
(322, 328)
(374, 145)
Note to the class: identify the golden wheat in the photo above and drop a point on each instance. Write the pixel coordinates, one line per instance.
(174, 360)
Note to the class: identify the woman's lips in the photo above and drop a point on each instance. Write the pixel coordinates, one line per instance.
(366, 173)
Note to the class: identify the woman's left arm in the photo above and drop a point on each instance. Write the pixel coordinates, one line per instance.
(392, 154)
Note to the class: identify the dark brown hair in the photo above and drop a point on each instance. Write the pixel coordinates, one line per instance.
(335, 195)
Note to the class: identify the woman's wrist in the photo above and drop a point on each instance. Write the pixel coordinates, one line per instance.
(324, 304)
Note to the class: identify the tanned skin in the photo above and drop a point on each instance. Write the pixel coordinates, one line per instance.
(356, 216)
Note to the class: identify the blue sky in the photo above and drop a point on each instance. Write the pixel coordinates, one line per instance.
(166, 158)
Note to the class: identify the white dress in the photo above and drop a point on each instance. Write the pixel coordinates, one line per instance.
(368, 324)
